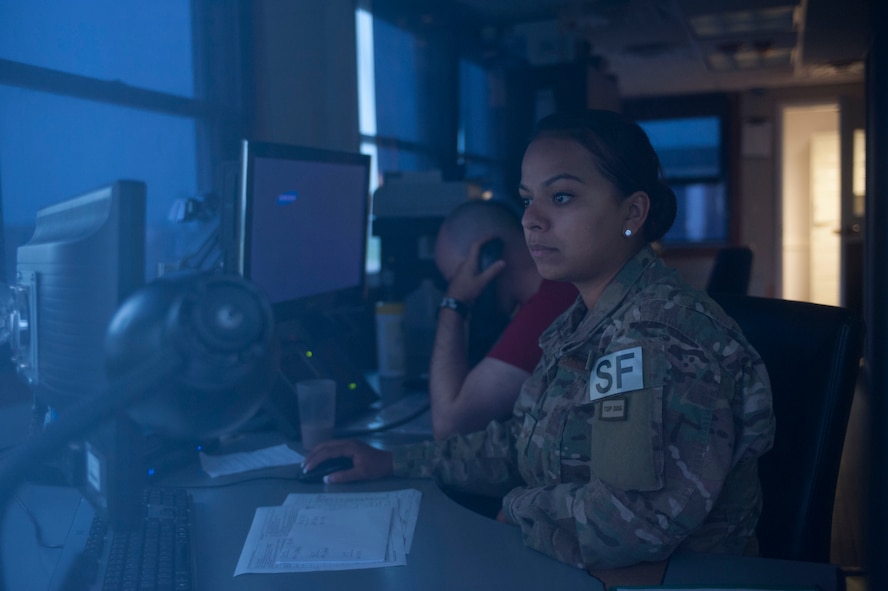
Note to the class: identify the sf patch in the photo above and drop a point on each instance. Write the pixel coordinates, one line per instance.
(616, 373)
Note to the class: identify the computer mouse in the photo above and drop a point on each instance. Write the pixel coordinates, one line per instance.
(317, 473)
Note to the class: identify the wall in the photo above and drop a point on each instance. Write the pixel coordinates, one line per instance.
(305, 66)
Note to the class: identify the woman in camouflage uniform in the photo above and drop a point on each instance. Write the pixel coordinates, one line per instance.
(639, 431)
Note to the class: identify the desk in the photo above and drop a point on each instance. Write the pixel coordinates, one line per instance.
(453, 548)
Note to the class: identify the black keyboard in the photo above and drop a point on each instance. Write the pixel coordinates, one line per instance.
(155, 556)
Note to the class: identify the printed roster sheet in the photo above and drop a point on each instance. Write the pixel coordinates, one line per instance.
(331, 531)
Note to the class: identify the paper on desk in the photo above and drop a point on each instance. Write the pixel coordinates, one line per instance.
(321, 535)
(406, 503)
(278, 455)
(357, 527)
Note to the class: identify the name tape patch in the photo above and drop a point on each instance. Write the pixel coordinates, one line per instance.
(613, 409)
(616, 373)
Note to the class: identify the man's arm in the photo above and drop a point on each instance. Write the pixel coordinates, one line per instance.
(464, 400)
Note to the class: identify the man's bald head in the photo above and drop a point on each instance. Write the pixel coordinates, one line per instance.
(473, 220)
(470, 222)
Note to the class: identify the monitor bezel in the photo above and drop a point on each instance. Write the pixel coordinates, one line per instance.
(251, 150)
(94, 243)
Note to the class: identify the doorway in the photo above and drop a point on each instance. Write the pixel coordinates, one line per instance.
(811, 203)
(822, 194)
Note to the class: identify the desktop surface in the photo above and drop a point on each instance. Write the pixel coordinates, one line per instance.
(453, 547)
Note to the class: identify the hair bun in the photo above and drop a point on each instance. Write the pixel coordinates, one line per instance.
(661, 216)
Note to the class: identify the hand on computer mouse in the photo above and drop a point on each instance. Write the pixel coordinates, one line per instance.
(325, 468)
(368, 463)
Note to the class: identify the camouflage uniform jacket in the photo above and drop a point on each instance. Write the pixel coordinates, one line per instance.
(637, 434)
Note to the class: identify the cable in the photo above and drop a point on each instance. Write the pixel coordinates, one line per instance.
(80, 420)
(386, 425)
(38, 530)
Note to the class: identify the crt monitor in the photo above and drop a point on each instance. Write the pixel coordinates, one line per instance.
(86, 255)
(302, 225)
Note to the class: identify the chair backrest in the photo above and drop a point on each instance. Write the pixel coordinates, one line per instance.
(731, 271)
(812, 353)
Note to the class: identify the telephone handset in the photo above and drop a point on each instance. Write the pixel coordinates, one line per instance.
(487, 322)
(491, 251)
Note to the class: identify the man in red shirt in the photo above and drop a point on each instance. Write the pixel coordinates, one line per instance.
(465, 398)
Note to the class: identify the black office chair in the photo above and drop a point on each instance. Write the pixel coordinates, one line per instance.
(812, 353)
(730, 271)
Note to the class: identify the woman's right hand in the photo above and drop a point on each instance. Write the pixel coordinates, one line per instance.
(369, 463)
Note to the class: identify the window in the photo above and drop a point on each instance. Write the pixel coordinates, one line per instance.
(423, 105)
(95, 91)
(402, 107)
(691, 156)
(479, 136)
(367, 120)
(690, 135)
(395, 105)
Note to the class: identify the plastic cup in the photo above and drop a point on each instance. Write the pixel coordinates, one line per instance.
(317, 410)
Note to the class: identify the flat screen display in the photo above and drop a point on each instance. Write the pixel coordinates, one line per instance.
(303, 221)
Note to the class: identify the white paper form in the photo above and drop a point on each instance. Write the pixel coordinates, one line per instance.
(331, 531)
(278, 455)
(321, 535)
(406, 503)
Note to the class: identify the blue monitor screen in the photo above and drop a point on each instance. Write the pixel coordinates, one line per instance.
(303, 221)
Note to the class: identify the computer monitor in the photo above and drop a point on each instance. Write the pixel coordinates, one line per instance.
(302, 225)
(301, 233)
(86, 255)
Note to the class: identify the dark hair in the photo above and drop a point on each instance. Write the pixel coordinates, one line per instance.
(624, 156)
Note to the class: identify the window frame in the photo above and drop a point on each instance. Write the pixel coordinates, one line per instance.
(220, 104)
(724, 107)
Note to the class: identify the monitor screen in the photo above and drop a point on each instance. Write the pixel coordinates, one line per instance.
(302, 223)
(86, 255)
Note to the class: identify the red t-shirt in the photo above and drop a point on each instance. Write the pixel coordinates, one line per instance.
(519, 343)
